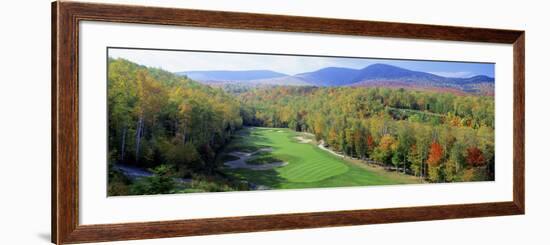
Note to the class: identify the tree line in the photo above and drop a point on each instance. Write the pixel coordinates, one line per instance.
(156, 117)
(437, 136)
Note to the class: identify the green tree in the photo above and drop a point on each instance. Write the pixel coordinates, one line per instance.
(162, 182)
(384, 151)
(405, 140)
(415, 156)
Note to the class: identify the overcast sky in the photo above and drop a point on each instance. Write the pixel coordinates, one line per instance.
(176, 61)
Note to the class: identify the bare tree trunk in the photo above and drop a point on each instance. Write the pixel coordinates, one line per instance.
(123, 144)
(183, 134)
(183, 137)
(404, 164)
(422, 168)
(138, 135)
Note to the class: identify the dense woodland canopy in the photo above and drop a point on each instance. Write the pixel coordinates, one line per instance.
(178, 127)
(440, 136)
(158, 118)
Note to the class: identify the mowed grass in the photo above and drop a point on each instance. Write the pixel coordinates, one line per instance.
(308, 165)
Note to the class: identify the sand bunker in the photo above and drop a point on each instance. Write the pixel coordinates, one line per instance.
(244, 156)
(303, 140)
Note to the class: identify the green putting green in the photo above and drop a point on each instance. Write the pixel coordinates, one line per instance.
(307, 166)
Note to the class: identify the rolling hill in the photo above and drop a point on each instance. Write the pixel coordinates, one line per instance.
(375, 75)
(330, 76)
(382, 75)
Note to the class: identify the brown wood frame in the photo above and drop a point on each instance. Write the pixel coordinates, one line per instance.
(65, 136)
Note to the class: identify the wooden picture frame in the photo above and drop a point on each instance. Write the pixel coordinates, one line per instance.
(65, 121)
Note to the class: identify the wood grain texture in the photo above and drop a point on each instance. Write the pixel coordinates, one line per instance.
(519, 122)
(65, 124)
(149, 230)
(54, 122)
(234, 20)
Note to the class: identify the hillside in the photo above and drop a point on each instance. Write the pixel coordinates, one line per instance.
(382, 75)
(376, 75)
(330, 76)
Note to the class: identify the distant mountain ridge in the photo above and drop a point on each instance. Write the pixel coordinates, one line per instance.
(380, 72)
(389, 72)
(375, 75)
(330, 76)
(382, 75)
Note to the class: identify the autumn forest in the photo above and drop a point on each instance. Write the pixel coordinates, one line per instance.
(173, 133)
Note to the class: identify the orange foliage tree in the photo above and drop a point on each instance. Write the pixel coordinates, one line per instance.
(436, 154)
(370, 142)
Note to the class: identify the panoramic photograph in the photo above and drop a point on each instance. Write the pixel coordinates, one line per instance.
(202, 121)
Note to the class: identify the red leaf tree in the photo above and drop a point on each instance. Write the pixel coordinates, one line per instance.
(475, 157)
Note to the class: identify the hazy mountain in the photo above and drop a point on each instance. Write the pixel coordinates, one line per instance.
(330, 76)
(287, 80)
(231, 75)
(381, 75)
(389, 72)
(376, 75)
(474, 79)
(337, 76)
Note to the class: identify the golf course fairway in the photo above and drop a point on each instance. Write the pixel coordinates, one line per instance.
(298, 162)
